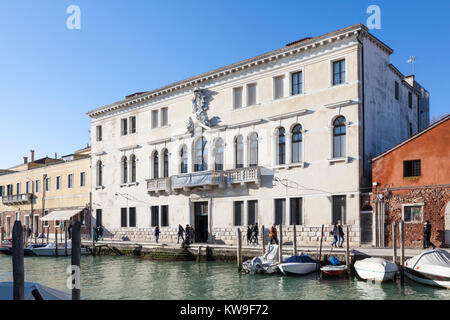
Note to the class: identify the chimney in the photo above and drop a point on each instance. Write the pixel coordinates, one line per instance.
(56, 155)
(32, 155)
(25, 160)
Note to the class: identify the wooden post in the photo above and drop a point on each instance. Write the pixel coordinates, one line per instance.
(394, 242)
(24, 236)
(56, 240)
(263, 240)
(280, 246)
(239, 249)
(17, 260)
(65, 240)
(76, 256)
(295, 241)
(48, 234)
(347, 253)
(2, 231)
(321, 239)
(199, 252)
(93, 241)
(402, 250)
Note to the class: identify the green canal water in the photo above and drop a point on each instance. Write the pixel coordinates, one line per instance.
(135, 278)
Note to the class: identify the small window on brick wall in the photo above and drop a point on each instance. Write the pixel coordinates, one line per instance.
(412, 214)
(411, 168)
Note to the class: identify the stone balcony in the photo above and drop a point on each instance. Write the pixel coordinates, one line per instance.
(244, 175)
(158, 185)
(17, 199)
(205, 179)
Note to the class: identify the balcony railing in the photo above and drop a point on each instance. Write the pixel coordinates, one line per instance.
(244, 175)
(158, 185)
(198, 179)
(23, 198)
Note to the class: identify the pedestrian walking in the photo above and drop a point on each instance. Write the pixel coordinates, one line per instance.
(255, 233)
(157, 233)
(69, 230)
(335, 233)
(100, 232)
(340, 235)
(427, 235)
(180, 233)
(273, 235)
(249, 234)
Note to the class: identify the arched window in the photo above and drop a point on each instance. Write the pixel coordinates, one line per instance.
(200, 155)
(281, 146)
(218, 159)
(133, 168)
(253, 157)
(239, 151)
(166, 163)
(124, 170)
(339, 132)
(155, 165)
(99, 173)
(297, 141)
(184, 159)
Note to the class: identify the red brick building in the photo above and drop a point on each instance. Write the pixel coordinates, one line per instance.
(411, 181)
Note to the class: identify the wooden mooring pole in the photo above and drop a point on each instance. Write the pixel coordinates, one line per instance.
(280, 252)
(76, 257)
(347, 253)
(402, 251)
(56, 241)
(295, 240)
(321, 240)
(263, 230)
(239, 249)
(65, 240)
(199, 253)
(394, 242)
(48, 234)
(17, 261)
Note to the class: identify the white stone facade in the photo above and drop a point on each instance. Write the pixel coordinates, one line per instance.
(316, 175)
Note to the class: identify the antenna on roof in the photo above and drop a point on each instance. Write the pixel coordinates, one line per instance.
(412, 60)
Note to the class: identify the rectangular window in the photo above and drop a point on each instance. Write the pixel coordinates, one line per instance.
(238, 205)
(412, 213)
(237, 96)
(82, 179)
(123, 217)
(397, 96)
(38, 186)
(27, 187)
(17, 216)
(9, 190)
(98, 134)
(164, 216)
(252, 211)
(297, 83)
(278, 87)
(296, 211)
(338, 72)
(280, 210)
(339, 209)
(47, 184)
(18, 188)
(411, 168)
(70, 181)
(2, 191)
(46, 223)
(133, 124)
(98, 216)
(132, 217)
(155, 216)
(155, 119)
(164, 116)
(251, 94)
(58, 183)
(124, 127)
(410, 100)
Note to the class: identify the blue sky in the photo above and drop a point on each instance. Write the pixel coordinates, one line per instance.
(51, 76)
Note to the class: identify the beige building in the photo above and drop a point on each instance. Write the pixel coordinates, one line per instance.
(285, 137)
(40, 187)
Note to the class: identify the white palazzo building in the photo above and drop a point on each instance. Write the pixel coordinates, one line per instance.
(285, 137)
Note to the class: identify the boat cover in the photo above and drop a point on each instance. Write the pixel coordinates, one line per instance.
(6, 292)
(334, 261)
(300, 259)
(376, 265)
(435, 262)
(263, 264)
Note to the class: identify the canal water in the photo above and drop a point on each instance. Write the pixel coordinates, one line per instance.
(136, 278)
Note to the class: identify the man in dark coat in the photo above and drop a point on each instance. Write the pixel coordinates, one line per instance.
(157, 234)
(255, 233)
(427, 235)
(249, 234)
(180, 233)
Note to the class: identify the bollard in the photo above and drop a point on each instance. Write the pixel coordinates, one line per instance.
(17, 261)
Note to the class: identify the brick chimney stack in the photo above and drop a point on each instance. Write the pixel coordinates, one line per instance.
(32, 155)
(25, 160)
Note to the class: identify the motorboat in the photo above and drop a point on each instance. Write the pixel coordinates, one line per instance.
(430, 267)
(298, 265)
(33, 291)
(377, 269)
(334, 269)
(27, 251)
(268, 263)
(50, 249)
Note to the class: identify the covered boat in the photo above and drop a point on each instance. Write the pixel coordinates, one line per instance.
(303, 264)
(377, 269)
(33, 291)
(27, 251)
(263, 264)
(430, 268)
(50, 249)
(335, 268)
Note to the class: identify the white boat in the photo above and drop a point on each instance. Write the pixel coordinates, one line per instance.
(298, 265)
(50, 249)
(263, 264)
(33, 291)
(430, 268)
(377, 269)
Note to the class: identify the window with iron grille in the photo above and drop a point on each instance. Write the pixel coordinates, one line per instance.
(411, 168)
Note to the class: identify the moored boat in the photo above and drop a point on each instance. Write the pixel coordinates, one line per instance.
(268, 263)
(50, 249)
(331, 270)
(430, 268)
(377, 269)
(33, 291)
(298, 265)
